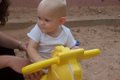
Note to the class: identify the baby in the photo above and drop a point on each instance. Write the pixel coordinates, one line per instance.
(49, 31)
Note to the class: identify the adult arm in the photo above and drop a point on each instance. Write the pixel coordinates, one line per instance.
(9, 42)
(16, 63)
(4, 61)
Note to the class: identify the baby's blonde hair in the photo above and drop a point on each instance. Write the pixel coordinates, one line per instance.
(56, 7)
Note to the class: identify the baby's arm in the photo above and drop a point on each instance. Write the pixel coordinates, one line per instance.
(32, 51)
(75, 47)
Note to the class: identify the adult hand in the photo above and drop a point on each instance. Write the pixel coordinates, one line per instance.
(23, 46)
(16, 63)
(34, 76)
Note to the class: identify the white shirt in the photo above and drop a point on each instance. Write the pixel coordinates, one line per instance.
(48, 43)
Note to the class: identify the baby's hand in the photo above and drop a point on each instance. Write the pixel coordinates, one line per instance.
(39, 59)
(23, 46)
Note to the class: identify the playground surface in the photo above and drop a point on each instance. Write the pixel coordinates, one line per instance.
(106, 66)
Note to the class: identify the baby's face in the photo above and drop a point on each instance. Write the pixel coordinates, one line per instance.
(46, 22)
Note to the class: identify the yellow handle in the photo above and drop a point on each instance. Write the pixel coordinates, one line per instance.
(78, 53)
(55, 60)
(90, 53)
(39, 65)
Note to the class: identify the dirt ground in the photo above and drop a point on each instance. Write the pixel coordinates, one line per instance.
(106, 66)
(87, 13)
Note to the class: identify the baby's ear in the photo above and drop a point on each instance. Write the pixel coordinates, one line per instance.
(62, 20)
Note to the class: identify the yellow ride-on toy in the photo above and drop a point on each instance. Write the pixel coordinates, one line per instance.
(64, 64)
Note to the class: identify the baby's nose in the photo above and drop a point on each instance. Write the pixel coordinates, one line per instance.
(42, 22)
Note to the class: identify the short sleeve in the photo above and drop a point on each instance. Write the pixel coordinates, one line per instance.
(34, 34)
(71, 42)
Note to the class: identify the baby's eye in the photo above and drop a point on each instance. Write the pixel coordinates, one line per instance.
(39, 18)
(47, 20)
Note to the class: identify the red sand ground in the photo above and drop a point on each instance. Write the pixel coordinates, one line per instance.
(34, 3)
(106, 66)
